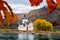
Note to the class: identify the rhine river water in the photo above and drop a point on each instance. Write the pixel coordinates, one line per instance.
(27, 36)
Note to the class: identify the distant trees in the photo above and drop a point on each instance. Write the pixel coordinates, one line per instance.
(43, 25)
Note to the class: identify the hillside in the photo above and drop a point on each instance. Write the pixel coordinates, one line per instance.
(42, 13)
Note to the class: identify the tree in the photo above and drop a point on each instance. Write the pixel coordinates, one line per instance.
(42, 24)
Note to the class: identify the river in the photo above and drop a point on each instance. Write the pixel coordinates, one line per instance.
(27, 36)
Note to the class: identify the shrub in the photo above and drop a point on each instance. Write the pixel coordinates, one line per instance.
(42, 24)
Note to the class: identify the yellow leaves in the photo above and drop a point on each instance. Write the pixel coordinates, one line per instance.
(42, 24)
(38, 21)
(48, 24)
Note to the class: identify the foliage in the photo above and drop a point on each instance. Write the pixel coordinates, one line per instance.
(42, 24)
(8, 15)
(51, 4)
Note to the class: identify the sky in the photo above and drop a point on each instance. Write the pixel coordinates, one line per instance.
(23, 6)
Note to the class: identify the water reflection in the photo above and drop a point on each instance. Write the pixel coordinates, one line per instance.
(28, 36)
(8, 36)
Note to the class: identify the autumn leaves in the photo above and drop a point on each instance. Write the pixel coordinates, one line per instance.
(35, 2)
(1, 19)
(9, 16)
(51, 4)
(58, 3)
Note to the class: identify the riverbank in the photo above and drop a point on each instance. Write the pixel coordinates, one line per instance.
(30, 31)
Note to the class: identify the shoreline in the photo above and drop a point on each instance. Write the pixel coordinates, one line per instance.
(29, 31)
